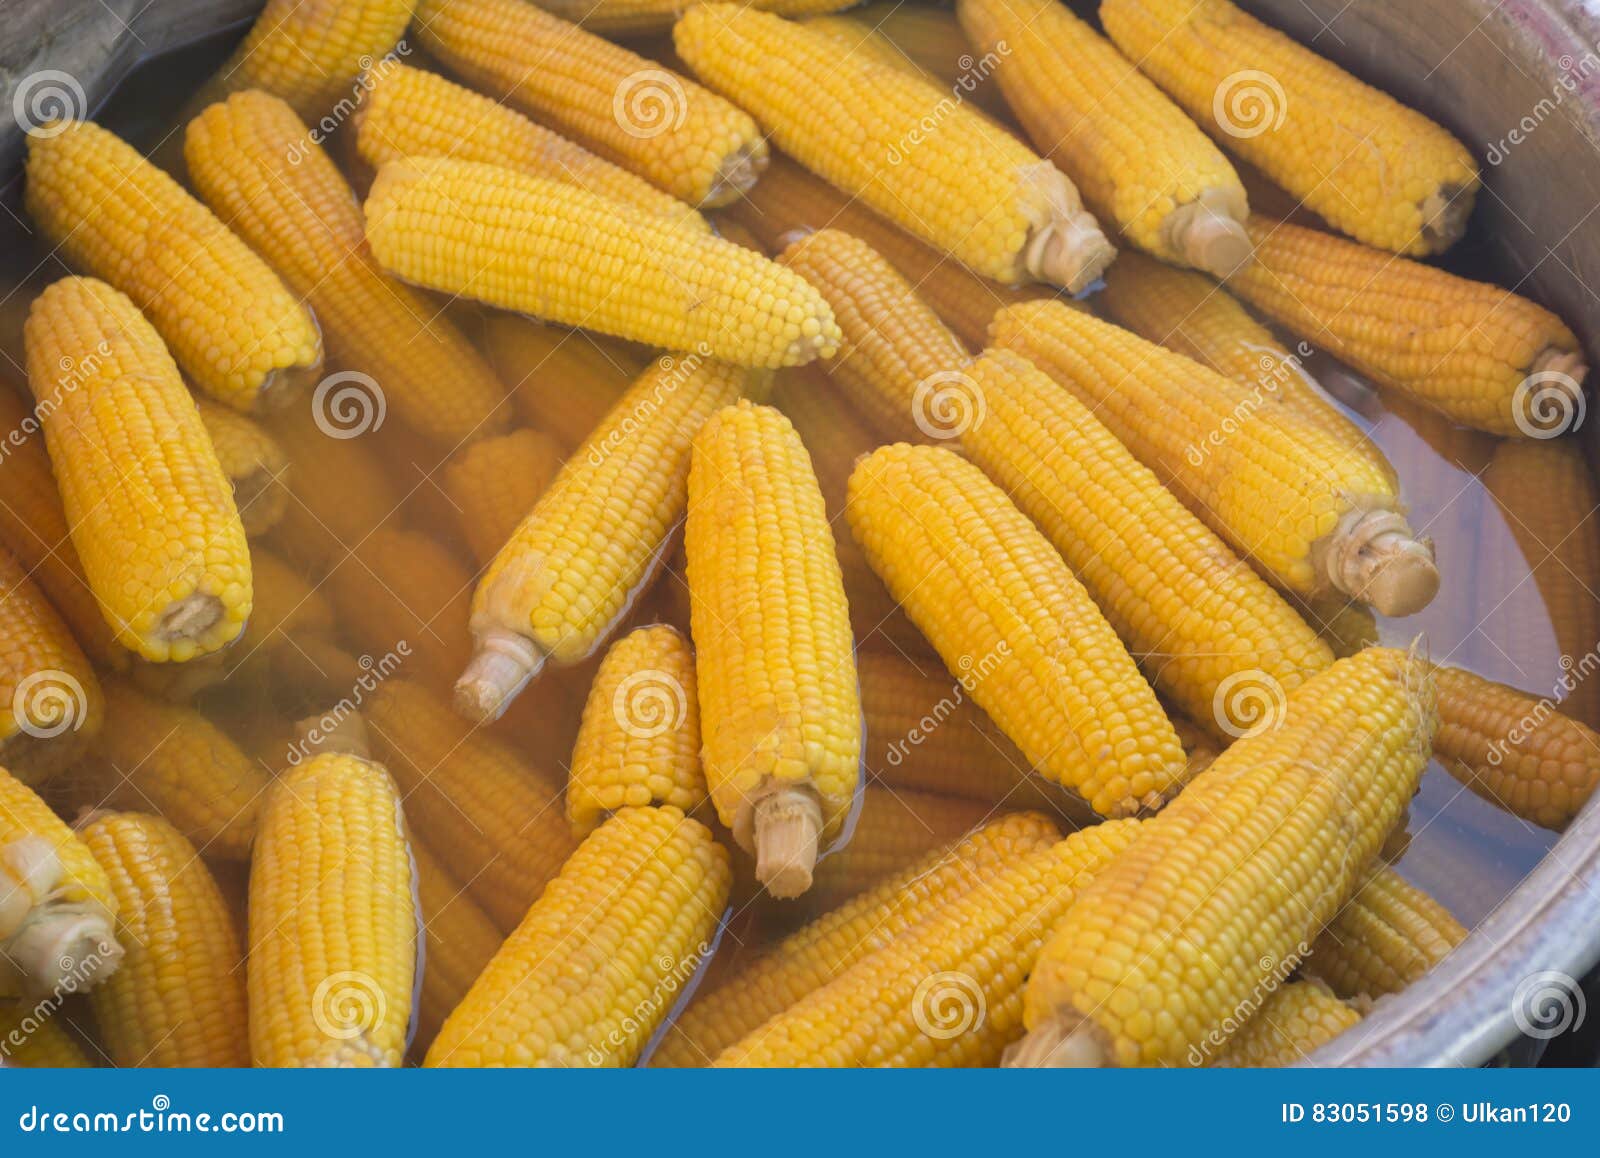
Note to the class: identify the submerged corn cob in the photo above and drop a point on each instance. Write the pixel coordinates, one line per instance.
(635, 17)
(1345, 626)
(253, 461)
(171, 759)
(333, 914)
(607, 517)
(29, 1041)
(1207, 630)
(1227, 887)
(492, 818)
(640, 740)
(960, 972)
(965, 186)
(562, 381)
(1515, 750)
(897, 360)
(505, 233)
(1373, 167)
(591, 970)
(257, 164)
(677, 135)
(992, 595)
(1295, 1019)
(178, 999)
(1313, 514)
(406, 112)
(781, 708)
(1139, 160)
(461, 940)
(812, 956)
(1477, 353)
(1385, 937)
(494, 483)
(232, 326)
(151, 512)
(56, 905)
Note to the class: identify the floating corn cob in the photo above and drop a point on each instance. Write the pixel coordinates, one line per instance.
(1296, 1019)
(494, 482)
(504, 232)
(151, 513)
(1312, 514)
(1477, 353)
(331, 855)
(493, 819)
(897, 360)
(961, 971)
(1138, 159)
(178, 999)
(56, 905)
(31, 1041)
(461, 940)
(628, 922)
(171, 759)
(1385, 938)
(781, 709)
(995, 600)
(1515, 750)
(562, 381)
(1376, 169)
(606, 518)
(640, 739)
(258, 165)
(232, 326)
(675, 134)
(253, 461)
(1236, 876)
(812, 956)
(406, 112)
(964, 185)
(1208, 631)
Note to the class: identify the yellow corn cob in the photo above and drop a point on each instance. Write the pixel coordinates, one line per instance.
(1138, 159)
(1515, 750)
(253, 461)
(232, 326)
(595, 539)
(493, 819)
(996, 601)
(812, 956)
(562, 381)
(1386, 937)
(151, 512)
(333, 914)
(1373, 167)
(634, 17)
(31, 1041)
(494, 235)
(406, 112)
(949, 991)
(859, 38)
(781, 708)
(461, 940)
(178, 999)
(257, 165)
(1295, 1020)
(1308, 511)
(964, 185)
(931, 39)
(51, 706)
(494, 482)
(788, 198)
(897, 358)
(33, 528)
(597, 963)
(1195, 317)
(310, 52)
(1477, 353)
(640, 740)
(170, 759)
(1226, 888)
(664, 127)
(56, 905)
(1206, 629)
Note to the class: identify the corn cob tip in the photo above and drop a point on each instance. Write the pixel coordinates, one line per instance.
(501, 667)
(64, 948)
(34, 870)
(788, 823)
(1067, 247)
(347, 734)
(736, 175)
(1372, 556)
(1208, 237)
(190, 617)
(1569, 364)
(1444, 215)
(281, 387)
(793, 237)
(1064, 1041)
